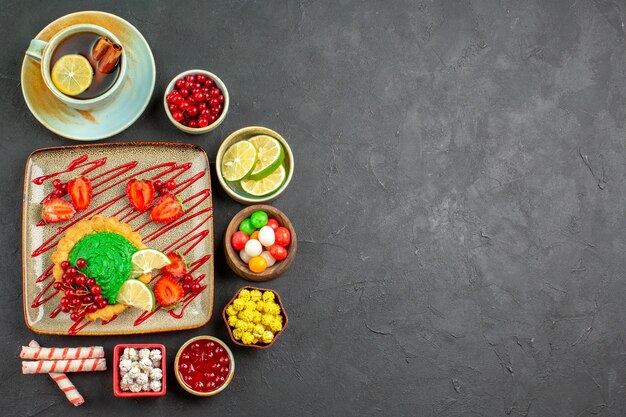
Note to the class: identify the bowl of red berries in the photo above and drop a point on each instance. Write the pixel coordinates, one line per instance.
(196, 101)
(204, 366)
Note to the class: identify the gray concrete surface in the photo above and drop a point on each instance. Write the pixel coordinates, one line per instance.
(459, 196)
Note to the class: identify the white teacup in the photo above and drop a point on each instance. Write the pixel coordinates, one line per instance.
(42, 51)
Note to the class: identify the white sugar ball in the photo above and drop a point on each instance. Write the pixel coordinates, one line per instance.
(156, 386)
(142, 379)
(269, 258)
(244, 256)
(156, 374)
(125, 365)
(145, 364)
(253, 248)
(266, 236)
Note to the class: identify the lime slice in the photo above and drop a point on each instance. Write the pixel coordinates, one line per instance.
(135, 293)
(266, 185)
(72, 74)
(238, 161)
(145, 260)
(270, 155)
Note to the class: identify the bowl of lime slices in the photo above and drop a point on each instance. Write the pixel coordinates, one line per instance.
(254, 165)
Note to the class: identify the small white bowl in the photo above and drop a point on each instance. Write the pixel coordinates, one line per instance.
(246, 133)
(218, 82)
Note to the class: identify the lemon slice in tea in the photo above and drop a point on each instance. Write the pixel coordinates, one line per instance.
(135, 293)
(266, 185)
(72, 74)
(270, 154)
(238, 161)
(145, 260)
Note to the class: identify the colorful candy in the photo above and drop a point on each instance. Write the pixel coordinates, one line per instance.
(253, 248)
(257, 264)
(266, 236)
(283, 237)
(261, 241)
(246, 226)
(278, 252)
(259, 219)
(239, 240)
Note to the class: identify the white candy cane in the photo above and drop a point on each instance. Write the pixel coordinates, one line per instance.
(41, 353)
(63, 365)
(64, 383)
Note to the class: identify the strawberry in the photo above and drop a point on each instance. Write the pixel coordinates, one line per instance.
(167, 209)
(56, 210)
(168, 292)
(140, 193)
(80, 191)
(178, 267)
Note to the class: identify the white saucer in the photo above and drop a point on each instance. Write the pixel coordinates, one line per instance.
(113, 117)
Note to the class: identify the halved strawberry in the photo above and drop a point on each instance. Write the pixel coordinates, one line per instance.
(167, 209)
(140, 193)
(80, 191)
(168, 291)
(56, 210)
(178, 267)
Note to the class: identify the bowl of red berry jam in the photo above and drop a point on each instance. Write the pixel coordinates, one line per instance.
(204, 366)
(196, 101)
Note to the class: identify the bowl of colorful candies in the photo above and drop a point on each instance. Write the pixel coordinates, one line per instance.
(204, 366)
(255, 317)
(254, 165)
(260, 243)
(196, 101)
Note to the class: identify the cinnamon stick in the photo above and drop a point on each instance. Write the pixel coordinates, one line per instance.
(99, 49)
(110, 59)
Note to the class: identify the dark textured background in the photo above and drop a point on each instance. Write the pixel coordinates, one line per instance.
(459, 196)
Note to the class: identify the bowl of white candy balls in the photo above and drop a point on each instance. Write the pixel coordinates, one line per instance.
(139, 370)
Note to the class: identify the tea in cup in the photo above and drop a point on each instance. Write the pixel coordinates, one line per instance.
(82, 65)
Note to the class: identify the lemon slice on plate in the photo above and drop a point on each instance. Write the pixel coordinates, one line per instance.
(266, 185)
(270, 154)
(72, 74)
(145, 260)
(135, 293)
(238, 161)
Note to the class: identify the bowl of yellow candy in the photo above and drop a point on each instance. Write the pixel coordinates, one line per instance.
(255, 317)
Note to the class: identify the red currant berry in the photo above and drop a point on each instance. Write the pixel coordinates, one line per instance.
(220, 98)
(103, 304)
(80, 279)
(69, 280)
(209, 82)
(169, 98)
(189, 85)
(199, 96)
(203, 122)
(170, 184)
(64, 187)
(184, 93)
(65, 309)
(75, 302)
(69, 293)
(193, 123)
(90, 282)
(81, 262)
(58, 193)
(192, 111)
(206, 90)
(65, 265)
(215, 92)
(184, 105)
(172, 107)
(180, 83)
(206, 112)
(98, 298)
(188, 278)
(196, 287)
(74, 317)
(201, 106)
(92, 308)
(177, 99)
(201, 78)
(215, 111)
(96, 289)
(57, 183)
(178, 116)
(58, 285)
(190, 78)
(65, 301)
(71, 270)
(158, 184)
(212, 118)
(87, 299)
(214, 102)
(186, 288)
